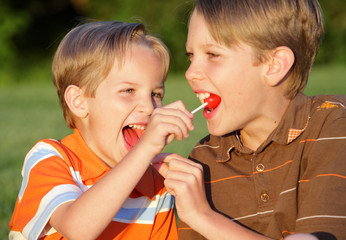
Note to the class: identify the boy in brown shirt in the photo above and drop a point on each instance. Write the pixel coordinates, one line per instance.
(274, 162)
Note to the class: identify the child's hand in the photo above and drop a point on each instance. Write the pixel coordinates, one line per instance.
(184, 180)
(165, 124)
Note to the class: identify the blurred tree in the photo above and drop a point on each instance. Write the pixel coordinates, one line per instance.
(30, 32)
(12, 23)
(49, 22)
(333, 47)
(31, 29)
(165, 19)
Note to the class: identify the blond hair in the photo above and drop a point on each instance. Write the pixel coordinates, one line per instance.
(267, 24)
(87, 53)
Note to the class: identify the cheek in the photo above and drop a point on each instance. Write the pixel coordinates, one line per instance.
(109, 113)
(221, 77)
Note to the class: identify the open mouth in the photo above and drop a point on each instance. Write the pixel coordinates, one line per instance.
(213, 101)
(132, 133)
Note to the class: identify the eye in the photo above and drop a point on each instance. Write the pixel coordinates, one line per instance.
(189, 55)
(212, 55)
(128, 90)
(157, 95)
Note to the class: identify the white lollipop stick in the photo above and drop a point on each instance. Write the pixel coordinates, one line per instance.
(200, 107)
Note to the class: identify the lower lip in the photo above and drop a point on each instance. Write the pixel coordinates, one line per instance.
(211, 114)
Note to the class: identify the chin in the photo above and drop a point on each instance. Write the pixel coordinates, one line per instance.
(216, 131)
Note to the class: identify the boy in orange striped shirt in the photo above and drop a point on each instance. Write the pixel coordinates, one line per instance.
(97, 183)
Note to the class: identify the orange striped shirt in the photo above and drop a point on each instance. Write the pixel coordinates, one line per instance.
(56, 172)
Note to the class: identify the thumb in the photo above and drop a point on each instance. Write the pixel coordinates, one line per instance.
(170, 138)
(159, 164)
(162, 168)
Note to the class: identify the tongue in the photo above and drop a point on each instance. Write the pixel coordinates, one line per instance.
(131, 136)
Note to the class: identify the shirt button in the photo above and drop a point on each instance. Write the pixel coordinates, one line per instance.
(264, 197)
(260, 167)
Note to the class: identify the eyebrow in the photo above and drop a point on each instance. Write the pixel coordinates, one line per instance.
(208, 45)
(162, 86)
(127, 83)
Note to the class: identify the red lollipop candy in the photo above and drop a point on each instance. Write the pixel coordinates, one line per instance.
(213, 101)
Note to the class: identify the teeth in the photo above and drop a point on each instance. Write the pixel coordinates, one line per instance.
(141, 127)
(202, 96)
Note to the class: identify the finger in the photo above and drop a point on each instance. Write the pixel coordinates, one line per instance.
(170, 138)
(179, 105)
(171, 124)
(162, 168)
(176, 114)
(170, 190)
(175, 161)
(158, 130)
(161, 157)
(167, 157)
(159, 164)
(180, 163)
(184, 164)
(174, 131)
(191, 179)
(180, 188)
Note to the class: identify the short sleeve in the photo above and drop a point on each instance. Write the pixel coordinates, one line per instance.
(48, 182)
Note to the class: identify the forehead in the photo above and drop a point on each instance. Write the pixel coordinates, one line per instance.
(199, 36)
(198, 29)
(143, 55)
(140, 65)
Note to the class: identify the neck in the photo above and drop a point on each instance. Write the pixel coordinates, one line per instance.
(256, 133)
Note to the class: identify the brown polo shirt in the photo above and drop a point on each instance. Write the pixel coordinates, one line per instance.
(294, 182)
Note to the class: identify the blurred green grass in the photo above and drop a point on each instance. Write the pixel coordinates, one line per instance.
(30, 112)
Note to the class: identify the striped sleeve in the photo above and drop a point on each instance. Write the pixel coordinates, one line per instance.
(47, 183)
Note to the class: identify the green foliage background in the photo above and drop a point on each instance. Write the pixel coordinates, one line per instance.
(31, 30)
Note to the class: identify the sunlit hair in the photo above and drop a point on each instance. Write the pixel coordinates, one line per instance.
(87, 53)
(265, 25)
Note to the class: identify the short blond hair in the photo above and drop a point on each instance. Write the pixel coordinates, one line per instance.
(267, 24)
(86, 55)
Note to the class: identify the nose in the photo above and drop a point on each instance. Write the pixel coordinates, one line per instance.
(147, 105)
(193, 72)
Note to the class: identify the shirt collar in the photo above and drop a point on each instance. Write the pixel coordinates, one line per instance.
(91, 166)
(293, 123)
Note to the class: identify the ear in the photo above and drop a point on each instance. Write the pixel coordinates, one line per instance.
(75, 100)
(279, 65)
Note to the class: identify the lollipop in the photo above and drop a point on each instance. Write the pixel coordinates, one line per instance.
(211, 102)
